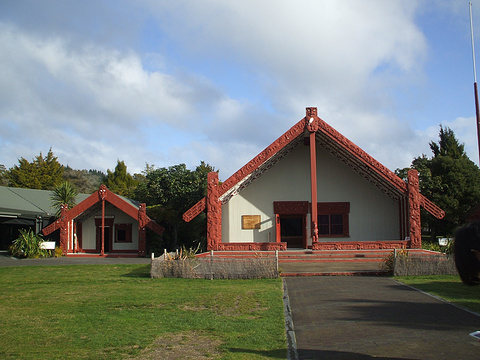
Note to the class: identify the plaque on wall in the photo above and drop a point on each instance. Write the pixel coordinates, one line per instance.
(250, 222)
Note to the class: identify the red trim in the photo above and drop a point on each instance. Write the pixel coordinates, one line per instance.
(195, 210)
(321, 245)
(103, 194)
(313, 184)
(214, 212)
(291, 207)
(295, 131)
(96, 197)
(290, 135)
(329, 135)
(143, 221)
(333, 208)
(102, 244)
(265, 246)
(431, 207)
(414, 202)
(79, 237)
(128, 233)
(100, 225)
(360, 245)
(286, 208)
(278, 229)
(327, 208)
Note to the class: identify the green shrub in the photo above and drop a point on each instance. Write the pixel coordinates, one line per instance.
(28, 245)
(434, 246)
(58, 252)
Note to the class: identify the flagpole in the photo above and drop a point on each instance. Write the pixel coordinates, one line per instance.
(475, 88)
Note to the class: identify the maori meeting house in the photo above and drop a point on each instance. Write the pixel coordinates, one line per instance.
(312, 188)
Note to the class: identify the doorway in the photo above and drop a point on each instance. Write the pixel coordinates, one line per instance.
(292, 230)
(107, 245)
(291, 223)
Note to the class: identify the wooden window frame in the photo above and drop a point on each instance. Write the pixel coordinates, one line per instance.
(331, 209)
(128, 233)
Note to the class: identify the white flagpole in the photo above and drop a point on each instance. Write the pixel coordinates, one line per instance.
(477, 111)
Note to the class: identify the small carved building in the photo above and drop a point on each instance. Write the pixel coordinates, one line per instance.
(104, 223)
(312, 188)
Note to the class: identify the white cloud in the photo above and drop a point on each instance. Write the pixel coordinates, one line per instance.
(88, 100)
(97, 90)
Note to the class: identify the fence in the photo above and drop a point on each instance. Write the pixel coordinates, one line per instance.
(408, 262)
(215, 268)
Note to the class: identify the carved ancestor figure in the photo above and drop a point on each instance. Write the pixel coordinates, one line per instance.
(414, 201)
(214, 212)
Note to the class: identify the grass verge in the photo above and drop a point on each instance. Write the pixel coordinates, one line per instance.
(448, 287)
(118, 312)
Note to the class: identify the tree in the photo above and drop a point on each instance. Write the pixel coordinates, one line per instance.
(3, 175)
(120, 181)
(63, 194)
(169, 192)
(450, 179)
(85, 181)
(42, 173)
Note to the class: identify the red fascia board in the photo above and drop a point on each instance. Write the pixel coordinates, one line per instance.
(363, 156)
(152, 225)
(291, 135)
(84, 205)
(111, 198)
(251, 166)
(121, 204)
(431, 208)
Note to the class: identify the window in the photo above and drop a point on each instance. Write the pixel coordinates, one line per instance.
(333, 219)
(123, 233)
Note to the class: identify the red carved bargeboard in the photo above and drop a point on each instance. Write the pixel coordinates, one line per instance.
(345, 150)
(265, 246)
(360, 245)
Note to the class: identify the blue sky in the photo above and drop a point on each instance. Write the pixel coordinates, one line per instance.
(169, 82)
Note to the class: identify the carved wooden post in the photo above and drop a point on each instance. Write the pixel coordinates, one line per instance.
(64, 229)
(102, 193)
(142, 232)
(312, 126)
(214, 212)
(414, 202)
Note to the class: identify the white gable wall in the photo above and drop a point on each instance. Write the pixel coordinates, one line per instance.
(89, 229)
(373, 215)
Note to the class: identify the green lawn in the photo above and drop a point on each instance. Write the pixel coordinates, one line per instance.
(448, 287)
(118, 312)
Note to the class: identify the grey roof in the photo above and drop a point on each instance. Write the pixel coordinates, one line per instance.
(18, 202)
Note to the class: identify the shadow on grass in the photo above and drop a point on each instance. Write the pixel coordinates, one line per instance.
(139, 272)
(272, 354)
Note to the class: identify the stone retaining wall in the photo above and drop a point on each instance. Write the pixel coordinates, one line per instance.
(215, 268)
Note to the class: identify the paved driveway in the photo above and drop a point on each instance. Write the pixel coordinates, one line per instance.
(359, 317)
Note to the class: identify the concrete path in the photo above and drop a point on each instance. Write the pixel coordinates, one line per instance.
(360, 317)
